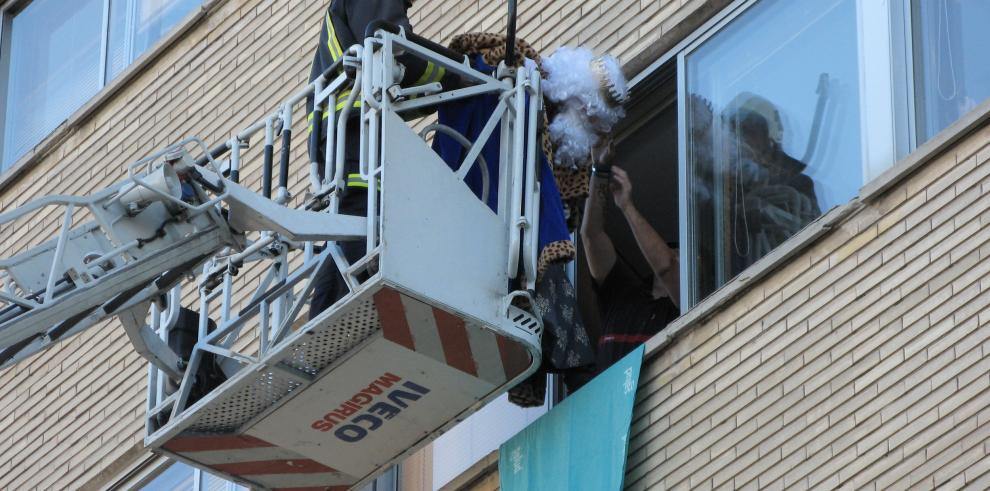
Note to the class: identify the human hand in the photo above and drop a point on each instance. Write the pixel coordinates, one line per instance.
(621, 188)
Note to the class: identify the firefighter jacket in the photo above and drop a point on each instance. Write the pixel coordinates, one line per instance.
(344, 25)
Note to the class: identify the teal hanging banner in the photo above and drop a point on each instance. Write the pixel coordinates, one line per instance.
(582, 443)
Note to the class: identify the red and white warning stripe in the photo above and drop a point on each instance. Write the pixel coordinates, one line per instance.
(446, 337)
(261, 462)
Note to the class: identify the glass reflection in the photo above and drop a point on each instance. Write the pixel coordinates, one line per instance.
(952, 74)
(773, 132)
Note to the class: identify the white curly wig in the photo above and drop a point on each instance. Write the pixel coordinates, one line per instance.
(589, 93)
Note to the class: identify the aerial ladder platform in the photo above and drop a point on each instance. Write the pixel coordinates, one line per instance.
(437, 320)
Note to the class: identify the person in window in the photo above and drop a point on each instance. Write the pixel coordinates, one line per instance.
(632, 310)
(344, 25)
(772, 198)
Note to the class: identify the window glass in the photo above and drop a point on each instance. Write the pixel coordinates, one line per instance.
(181, 477)
(178, 477)
(952, 75)
(55, 55)
(54, 50)
(773, 132)
(135, 26)
(214, 483)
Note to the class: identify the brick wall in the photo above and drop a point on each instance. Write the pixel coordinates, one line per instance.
(624, 28)
(76, 411)
(72, 416)
(862, 363)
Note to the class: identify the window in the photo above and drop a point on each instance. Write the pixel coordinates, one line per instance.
(772, 131)
(181, 477)
(951, 75)
(135, 26)
(54, 51)
(57, 54)
(785, 108)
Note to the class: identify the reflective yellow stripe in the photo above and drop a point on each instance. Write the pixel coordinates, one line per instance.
(426, 74)
(310, 116)
(355, 181)
(340, 105)
(332, 43)
(432, 73)
(342, 100)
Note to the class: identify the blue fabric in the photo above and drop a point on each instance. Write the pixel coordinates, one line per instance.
(583, 442)
(469, 116)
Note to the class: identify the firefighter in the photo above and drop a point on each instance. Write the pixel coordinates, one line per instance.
(344, 24)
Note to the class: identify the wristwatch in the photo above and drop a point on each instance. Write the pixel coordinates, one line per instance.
(602, 170)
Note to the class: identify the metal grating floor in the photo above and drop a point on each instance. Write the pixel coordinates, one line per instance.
(324, 345)
(330, 343)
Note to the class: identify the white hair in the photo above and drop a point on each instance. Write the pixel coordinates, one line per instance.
(587, 105)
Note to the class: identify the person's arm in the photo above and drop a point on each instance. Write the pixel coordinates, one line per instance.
(321, 60)
(658, 254)
(598, 248)
(360, 13)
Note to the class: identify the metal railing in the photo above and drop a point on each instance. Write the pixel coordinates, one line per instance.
(366, 74)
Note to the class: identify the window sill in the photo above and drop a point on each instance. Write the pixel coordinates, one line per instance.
(59, 135)
(870, 192)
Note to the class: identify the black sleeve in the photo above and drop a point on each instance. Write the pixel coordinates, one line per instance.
(322, 57)
(360, 13)
(321, 60)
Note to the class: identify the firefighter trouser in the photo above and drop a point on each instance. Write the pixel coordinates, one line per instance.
(330, 286)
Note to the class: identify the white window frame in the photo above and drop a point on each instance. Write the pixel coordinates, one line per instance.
(902, 52)
(876, 79)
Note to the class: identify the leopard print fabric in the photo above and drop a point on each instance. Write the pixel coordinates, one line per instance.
(572, 183)
(492, 48)
(561, 251)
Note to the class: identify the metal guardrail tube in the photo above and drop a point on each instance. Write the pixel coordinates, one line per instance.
(268, 160)
(216, 152)
(283, 164)
(510, 38)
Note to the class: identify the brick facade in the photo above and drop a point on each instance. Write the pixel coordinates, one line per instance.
(861, 361)
(73, 414)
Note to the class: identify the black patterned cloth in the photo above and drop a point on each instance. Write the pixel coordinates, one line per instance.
(566, 345)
